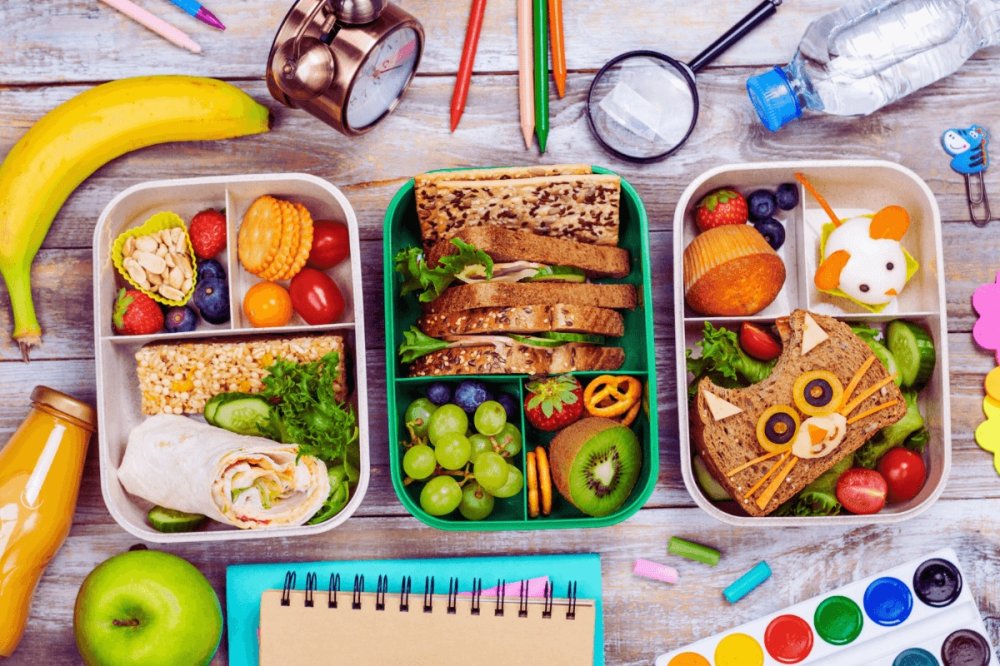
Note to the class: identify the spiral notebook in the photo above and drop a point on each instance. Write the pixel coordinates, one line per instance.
(544, 609)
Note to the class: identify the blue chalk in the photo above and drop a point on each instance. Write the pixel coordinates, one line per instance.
(747, 583)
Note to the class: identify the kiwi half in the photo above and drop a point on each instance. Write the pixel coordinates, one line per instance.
(595, 464)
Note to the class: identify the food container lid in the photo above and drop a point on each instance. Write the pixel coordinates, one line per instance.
(66, 404)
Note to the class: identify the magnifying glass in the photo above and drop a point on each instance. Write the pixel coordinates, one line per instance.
(643, 105)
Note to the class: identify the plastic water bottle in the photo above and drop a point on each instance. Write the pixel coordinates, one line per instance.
(870, 53)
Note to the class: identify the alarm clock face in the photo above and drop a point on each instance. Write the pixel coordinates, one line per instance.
(382, 78)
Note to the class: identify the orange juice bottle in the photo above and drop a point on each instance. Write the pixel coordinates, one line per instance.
(40, 470)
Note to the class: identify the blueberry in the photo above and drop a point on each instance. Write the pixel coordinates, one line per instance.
(787, 196)
(439, 393)
(469, 394)
(211, 297)
(180, 319)
(761, 204)
(772, 231)
(210, 268)
(510, 404)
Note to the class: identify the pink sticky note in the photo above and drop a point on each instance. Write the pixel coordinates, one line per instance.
(986, 303)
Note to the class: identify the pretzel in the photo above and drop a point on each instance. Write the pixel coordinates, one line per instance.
(610, 396)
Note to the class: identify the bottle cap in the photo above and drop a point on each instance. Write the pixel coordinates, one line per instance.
(65, 404)
(773, 98)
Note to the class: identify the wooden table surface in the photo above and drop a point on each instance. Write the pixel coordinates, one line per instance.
(55, 49)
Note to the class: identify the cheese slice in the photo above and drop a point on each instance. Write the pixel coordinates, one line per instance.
(721, 409)
(812, 334)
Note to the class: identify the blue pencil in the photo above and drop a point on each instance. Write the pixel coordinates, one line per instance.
(195, 9)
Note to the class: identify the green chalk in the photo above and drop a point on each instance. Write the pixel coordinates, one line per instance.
(693, 551)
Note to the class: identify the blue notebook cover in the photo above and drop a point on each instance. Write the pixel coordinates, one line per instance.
(246, 582)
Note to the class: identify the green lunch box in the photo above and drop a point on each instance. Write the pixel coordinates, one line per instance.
(403, 230)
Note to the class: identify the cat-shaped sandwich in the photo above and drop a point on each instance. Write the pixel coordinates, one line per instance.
(826, 396)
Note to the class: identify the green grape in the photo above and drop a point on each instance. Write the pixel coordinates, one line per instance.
(490, 470)
(447, 419)
(490, 418)
(419, 462)
(476, 502)
(509, 441)
(418, 415)
(452, 450)
(440, 496)
(513, 485)
(479, 444)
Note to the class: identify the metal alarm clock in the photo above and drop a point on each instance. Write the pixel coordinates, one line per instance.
(347, 62)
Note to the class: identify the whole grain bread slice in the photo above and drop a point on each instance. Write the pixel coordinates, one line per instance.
(731, 442)
(561, 317)
(495, 358)
(507, 245)
(511, 294)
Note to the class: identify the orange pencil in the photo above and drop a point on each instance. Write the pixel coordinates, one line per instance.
(558, 46)
(468, 59)
(525, 70)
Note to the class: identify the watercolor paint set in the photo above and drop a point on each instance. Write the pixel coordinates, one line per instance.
(916, 614)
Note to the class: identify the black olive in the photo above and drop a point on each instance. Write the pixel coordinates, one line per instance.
(779, 428)
(819, 393)
(889, 266)
(864, 288)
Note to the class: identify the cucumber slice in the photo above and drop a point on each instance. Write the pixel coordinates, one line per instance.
(219, 398)
(243, 415)
(885, 356)
(558, 274)
(535, 341)
(168, 520)
(586, 338)
(914, 352)
(712, 488)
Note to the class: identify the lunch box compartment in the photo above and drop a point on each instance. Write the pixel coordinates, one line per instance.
(851, 187)
(118, 399)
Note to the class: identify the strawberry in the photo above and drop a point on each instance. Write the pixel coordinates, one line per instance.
(719, 208)
(208, 233)
(553, 403)
(136, 314)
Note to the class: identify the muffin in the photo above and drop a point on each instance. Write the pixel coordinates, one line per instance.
(731, 271)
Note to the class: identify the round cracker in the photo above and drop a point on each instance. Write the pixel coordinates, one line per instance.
(289, 247)
(305, 243)
(260, 233)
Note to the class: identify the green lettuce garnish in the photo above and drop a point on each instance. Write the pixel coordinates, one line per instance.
(724, 362)
(819, 498)
(416, 343)
(431, 282)
(894, 435)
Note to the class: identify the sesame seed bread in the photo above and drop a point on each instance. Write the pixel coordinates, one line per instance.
(512, 294)
(506, 245)
(561, 317)
(727, 443)
(581, 207)
(491, 358)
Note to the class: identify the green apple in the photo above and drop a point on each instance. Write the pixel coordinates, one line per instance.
(147, 607)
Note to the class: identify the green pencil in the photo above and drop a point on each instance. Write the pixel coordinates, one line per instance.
(541, 28)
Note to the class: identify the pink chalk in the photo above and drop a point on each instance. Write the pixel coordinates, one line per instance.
(655, 571)
(986, 302)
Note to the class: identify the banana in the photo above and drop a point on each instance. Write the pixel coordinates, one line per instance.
(78, 137)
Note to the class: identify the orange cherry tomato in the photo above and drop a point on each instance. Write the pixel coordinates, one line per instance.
(267, 304)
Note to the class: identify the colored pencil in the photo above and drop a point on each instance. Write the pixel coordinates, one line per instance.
(468, 59)
(195, 9)
(525, 82)
(541, 73)
(170, 33)
(558, 46)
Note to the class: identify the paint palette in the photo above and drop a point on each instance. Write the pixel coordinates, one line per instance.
(916, 614)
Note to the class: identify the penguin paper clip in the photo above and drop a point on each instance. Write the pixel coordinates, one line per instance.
(970, 158)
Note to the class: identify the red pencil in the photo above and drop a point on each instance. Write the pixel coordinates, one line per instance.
(468, 58)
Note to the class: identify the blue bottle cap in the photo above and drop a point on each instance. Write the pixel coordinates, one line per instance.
(773, 98)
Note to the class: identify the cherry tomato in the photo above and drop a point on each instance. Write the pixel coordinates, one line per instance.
(905, 473)
(759, 343)
(862, 491)
(331, 244)
(267, 304)
(316, 297)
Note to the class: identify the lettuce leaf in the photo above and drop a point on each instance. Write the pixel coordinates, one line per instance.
(431, 282)
(724, 362)
(893, 435)
(819, 498)
(416, 343)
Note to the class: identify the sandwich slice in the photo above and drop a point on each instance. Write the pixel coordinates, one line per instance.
(492, 355)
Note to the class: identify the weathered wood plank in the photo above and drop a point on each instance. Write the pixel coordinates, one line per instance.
(46, 45)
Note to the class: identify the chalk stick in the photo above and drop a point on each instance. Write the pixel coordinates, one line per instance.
(747, 583)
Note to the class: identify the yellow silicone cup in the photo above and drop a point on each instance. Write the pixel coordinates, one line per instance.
(159, 222)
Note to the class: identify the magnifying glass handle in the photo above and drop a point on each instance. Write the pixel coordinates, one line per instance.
(757, 15)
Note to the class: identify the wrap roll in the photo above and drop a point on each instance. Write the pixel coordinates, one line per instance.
(249, 482)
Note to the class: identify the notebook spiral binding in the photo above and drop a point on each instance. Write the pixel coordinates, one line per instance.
(406, 589)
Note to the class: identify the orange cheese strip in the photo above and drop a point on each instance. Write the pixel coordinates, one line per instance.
(856, 379)
(869, 412)
(773, 488)
(866, 394)
(751, 463)
(774, 468)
